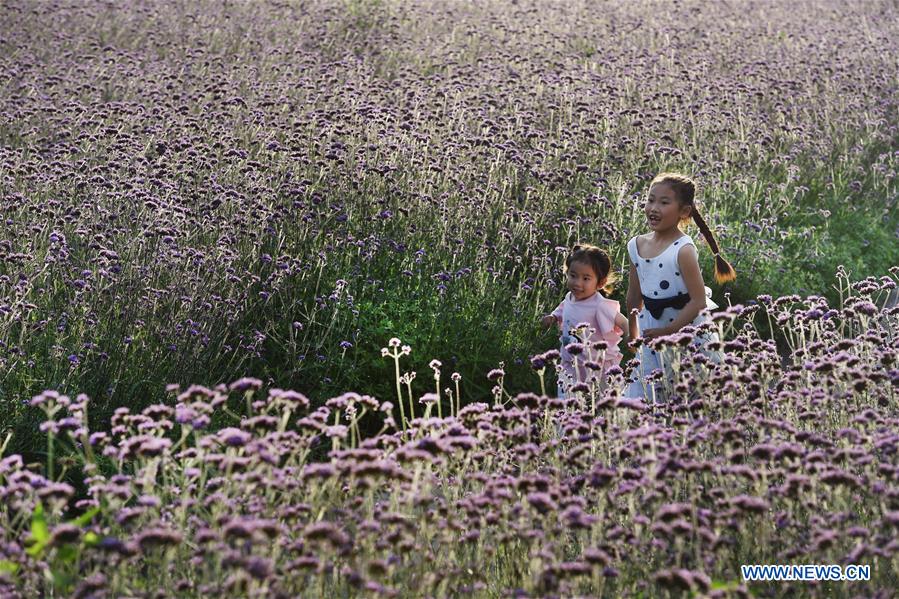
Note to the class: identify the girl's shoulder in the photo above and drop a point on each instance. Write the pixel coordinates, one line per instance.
(633, 240)
(678, 244)
(683, 242)
(607, 305)
(606, 311)
(632, 251)
(633, 246)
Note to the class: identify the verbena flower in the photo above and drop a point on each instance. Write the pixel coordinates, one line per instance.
(158, 537)
(245, 384)
(234, 437)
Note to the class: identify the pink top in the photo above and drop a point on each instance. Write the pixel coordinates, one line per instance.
(598, 313)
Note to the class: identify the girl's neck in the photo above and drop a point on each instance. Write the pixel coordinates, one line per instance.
(595, 293)
(665, 236)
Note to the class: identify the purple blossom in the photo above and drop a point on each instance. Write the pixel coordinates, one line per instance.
(245, 384)
(158, 537)
(495, 374)
(234, 437)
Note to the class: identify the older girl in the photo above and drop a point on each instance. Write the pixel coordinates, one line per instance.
(666, 291)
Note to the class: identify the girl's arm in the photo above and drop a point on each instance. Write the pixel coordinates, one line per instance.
(621, 321)
(634, 301)
(688, 263)
(554, 318)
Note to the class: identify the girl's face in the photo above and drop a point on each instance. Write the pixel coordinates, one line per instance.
(582, 281)
(663, 210)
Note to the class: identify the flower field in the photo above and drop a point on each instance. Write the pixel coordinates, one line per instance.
(214, 216)
(753, 461)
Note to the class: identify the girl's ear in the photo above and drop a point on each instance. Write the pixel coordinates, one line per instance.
(686, 211)
(605, 285)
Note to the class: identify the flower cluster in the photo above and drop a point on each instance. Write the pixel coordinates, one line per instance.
(765, 457)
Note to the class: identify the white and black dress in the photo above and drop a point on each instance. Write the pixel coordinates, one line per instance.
(664, 296)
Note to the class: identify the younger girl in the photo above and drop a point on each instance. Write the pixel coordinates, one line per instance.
(665, 290)
(585, 317)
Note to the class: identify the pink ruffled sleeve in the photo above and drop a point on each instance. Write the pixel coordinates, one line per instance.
(608, 330)
(605, 315)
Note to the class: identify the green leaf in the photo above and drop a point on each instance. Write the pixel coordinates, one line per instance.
(67, 553)
(725, 585)
(85, 518)
(8, 567)
(40, 533)
(63, 581)
(39, 530)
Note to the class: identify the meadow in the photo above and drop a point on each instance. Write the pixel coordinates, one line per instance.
(206, 204)
(751, 461)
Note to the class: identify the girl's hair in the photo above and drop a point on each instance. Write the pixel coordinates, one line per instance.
(685, 190)
(598, 260)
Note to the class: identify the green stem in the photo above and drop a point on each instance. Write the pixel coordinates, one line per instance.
(439, 398)
(50, 437)
(411, 401)
(399, 391)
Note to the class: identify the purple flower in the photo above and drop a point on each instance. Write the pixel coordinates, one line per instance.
(248, 528)
(597, 557)
(245, 384)
(185, 414)
(892, 518)
(153, 446)
(338, 431)
(840, 477)
(631, 404)
(65, 534)
(90, 585)
(679, 579)
(865, 307)
(542, 502)
(293, 398)
(234, 437)
(527, 400)
(158, 537)
(750, 504)
(575, 348)
(429, 398)
(56, 491)
(327, 531)
(672, 511)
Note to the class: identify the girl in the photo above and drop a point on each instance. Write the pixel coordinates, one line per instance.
(665, 290)
(586, 317)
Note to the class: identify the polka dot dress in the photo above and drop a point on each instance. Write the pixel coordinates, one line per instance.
(660, 278)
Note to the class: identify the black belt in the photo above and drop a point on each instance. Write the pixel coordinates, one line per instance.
(657, 306)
